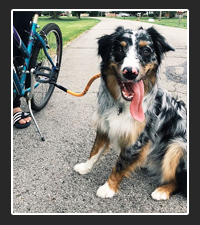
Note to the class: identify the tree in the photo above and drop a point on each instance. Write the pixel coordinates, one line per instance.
(46, 13)
(53, 14)
(156, 14)
(93, 13)
(172, 14)
(77, 13)
(160, 15)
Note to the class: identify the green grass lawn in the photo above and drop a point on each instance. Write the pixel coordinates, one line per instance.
(171, 22)
(70, 27)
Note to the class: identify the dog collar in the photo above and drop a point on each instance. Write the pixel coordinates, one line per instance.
(119, 110)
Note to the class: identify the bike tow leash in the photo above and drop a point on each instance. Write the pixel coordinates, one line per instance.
(78, 94)
(50, 76)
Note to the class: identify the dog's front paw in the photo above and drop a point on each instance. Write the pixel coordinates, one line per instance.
(82, 168)
(159, 194)
(105, 192)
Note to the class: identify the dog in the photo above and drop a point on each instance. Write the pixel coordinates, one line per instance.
(144, 123)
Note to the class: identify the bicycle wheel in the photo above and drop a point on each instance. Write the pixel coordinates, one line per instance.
(51, 33)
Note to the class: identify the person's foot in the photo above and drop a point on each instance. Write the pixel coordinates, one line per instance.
(21, 119)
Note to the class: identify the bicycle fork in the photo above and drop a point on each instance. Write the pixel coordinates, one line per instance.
(29, 103)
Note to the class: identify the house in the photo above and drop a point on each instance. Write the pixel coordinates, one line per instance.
(180, 13)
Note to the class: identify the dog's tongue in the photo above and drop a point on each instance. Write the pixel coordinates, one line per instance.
(136, 109)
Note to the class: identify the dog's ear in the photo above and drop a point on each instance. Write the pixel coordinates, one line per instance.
(105, 43)
(160, 44)
(104, 47)
(120, 29)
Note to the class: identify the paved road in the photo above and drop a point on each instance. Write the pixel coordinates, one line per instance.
(43, 177)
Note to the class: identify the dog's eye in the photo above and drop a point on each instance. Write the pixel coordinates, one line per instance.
(119, 50)
(146, 51)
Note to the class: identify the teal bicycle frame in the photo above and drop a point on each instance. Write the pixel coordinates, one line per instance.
(19, 84)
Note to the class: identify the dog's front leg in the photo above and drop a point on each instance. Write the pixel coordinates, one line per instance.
(129, 159)
(101, 144)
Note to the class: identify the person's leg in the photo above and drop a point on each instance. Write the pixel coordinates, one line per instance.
(21, 21)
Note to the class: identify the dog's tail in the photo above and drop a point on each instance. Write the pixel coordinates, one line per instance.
(181, 177)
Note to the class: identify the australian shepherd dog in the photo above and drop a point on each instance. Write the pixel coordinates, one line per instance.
(141, 120)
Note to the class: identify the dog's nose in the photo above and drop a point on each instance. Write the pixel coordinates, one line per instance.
(130, 73)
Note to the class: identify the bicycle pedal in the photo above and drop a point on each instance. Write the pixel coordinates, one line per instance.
(43, 74)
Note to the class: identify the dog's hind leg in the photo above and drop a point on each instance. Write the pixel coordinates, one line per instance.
(164, 191)
(124, 166)
(170, 162)
(101, 144)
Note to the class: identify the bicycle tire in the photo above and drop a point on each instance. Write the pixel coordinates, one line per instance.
(47, 30)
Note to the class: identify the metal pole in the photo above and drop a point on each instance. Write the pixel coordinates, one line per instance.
(29, 103)
(179, 21)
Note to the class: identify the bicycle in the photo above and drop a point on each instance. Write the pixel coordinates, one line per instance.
(42, 60)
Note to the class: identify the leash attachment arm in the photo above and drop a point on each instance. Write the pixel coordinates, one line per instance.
(74, 93)
(59, 86)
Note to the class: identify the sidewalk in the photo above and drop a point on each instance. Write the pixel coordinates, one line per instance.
(43, 177)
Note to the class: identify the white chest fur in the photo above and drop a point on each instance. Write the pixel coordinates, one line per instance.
(116, 126)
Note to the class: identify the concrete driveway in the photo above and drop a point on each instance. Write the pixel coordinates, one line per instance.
(43, 177)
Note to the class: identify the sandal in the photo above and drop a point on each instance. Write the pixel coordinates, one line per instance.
(18, 116)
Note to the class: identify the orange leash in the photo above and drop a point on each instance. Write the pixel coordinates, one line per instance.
(85, 90)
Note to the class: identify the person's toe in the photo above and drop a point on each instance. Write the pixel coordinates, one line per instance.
(22, 121)
(28, 119)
